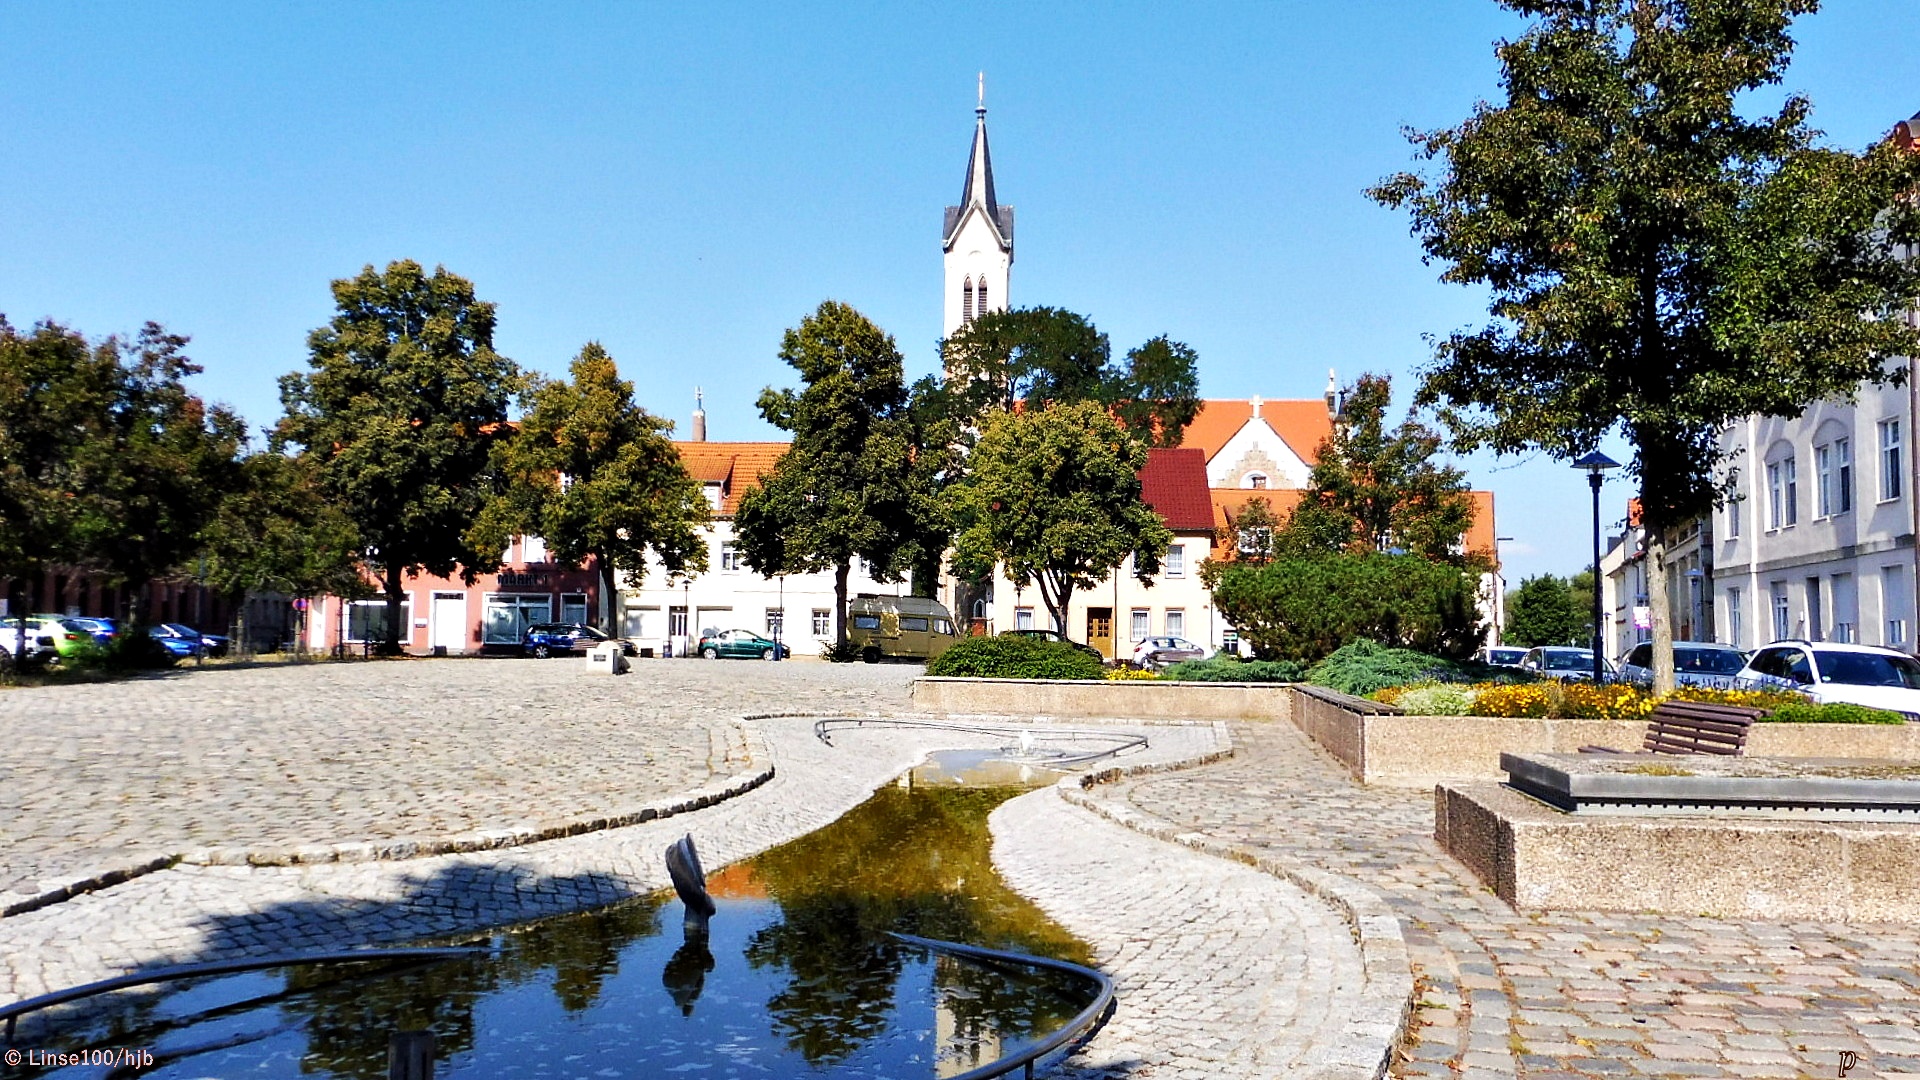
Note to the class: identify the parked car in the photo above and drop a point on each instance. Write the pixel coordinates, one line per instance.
(1054, 635)
(1159, 652)
(899, 627)
(1830, 672)
(548, 639)
(39, 647)
(1501, 655)
(210, 644)
(181, 642)
(740, 644)
(103, 629)
(1563, 662)
(1695, 663)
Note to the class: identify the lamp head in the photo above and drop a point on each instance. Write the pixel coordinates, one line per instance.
(1595, 463)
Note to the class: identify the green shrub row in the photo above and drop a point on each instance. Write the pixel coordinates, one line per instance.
(1225, 667)
(1810, 713)
(1014, 658)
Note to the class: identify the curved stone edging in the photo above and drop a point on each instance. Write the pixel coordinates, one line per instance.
(401, 848)
(1365, 1044)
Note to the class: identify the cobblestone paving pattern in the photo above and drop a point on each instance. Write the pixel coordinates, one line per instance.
(107, 776)
(192, 913)
(1562, 995)
(1251, 972)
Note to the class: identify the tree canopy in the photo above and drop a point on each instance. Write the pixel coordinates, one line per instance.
(1053, 496)
(1545, 610)
(401, 408)
(1304, 607)
(597, 478)
(1659, 262)
(843, 490)
(1375, 489)
(1046, 356)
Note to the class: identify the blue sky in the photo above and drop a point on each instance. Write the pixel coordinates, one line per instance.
(682, 184)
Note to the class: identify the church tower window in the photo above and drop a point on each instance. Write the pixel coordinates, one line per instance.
(980, 298)
(966, 303)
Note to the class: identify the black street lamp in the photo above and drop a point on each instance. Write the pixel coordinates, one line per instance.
(1595, 464)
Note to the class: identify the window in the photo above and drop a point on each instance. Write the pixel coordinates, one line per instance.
(916, 623)
(942, 626)
(1793, 491)
(1177, 561)
(1842, 475)
(1782, 615)
(1733, 518)
(776, 622)
(1775, 496)
(573, 607)
(980, 298)
(1823, 480)
(367, 620)
(1735, 621)
(676, 622)
(822, 622)
(966, 303)
(1783, 499)
(1023, 618)
(1257, 481)
(866, 622)
(640, 621)
(1141, 624)
(1176, 623)
(729, 557)
(507, 616)
(1890, 482)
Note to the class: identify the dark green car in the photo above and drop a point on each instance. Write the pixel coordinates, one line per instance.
(740, 644)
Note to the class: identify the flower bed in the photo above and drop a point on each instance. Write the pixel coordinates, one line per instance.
(1614, 701)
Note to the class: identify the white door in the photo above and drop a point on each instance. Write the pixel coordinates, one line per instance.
(450, 621)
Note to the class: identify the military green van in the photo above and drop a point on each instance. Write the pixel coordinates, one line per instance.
(899, 627)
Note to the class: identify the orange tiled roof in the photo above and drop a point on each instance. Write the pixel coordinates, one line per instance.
(736, 466)
(1228, 502)
(1303, 425)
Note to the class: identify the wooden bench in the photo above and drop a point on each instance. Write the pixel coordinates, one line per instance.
(1694, 727)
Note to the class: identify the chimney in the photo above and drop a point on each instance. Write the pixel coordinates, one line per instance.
(1333, 395)
(699, 417)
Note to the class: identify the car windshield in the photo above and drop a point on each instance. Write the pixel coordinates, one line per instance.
(176, 628)
(1567, 660)
(1867, 669)
(1504, 656)
(1709, 661)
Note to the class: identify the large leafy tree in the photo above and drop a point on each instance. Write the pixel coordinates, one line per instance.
(276, 531)
(1053, 496)
(1544, 611)
(1046, 356)
(844, 489)
(1379, 489)
(1304, 607)
(403, 404)
(1659, 263)
(596, 476)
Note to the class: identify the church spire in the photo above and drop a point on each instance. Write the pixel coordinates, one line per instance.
(977, 236)
(978, 190)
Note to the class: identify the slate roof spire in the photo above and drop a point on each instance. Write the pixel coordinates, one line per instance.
(979, 184)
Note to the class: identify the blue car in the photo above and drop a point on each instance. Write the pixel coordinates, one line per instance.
(180, 642)
(551, 639)
(103, 629)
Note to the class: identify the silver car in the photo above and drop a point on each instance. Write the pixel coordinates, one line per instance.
(1695, 663)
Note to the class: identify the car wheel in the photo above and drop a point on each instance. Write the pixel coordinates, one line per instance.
(871, 655)
(541, 652)
(766, 654)
(710, 653)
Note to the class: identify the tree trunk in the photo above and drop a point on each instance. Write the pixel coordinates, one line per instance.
(17, 611)
(1659, 605)
(1057, 598)
(840, 603)
(391, 646)
(612, 606)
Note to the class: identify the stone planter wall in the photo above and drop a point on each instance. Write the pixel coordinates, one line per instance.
(1120, 698)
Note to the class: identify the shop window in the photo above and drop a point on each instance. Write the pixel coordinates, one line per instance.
(573, 607)
(508, 615)
(367, 620)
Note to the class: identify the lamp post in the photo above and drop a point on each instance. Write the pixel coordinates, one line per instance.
(1595, 464)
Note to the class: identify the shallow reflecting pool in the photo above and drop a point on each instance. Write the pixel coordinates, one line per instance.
(797, 977)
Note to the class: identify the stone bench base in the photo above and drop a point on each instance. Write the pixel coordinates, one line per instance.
(1536, 857)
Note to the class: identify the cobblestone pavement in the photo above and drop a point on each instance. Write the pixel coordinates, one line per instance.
(267, 760)
(1562, 995)
(1250, 976)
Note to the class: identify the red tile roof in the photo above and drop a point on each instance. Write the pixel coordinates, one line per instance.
(736, 466)
(1302, 425)
(1174, 483)
(1228, 502)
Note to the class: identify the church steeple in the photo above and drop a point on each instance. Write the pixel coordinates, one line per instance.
(977, 236)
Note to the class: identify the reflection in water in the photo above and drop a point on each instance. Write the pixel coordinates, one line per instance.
(795, 977)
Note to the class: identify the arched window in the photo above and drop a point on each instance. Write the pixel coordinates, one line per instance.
(980, 302)
(966, 303)
(1257, 480)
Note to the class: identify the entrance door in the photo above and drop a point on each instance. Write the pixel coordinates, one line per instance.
(1100, 630)
(449, 627)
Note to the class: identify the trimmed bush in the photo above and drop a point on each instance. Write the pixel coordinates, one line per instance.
(1307, 608)
(1225, 667)
(1436, 699)
(1804, 712)
(1362, 667)
(1014, 658)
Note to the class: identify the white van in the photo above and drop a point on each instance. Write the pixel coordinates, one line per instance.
(907, 627)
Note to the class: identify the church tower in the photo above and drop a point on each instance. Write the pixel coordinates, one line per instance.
(977, 238)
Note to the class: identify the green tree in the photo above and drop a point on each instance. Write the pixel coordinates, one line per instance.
(595, 475)
(276, 531)
(843, 489)
(404, 402)
(1303, 608)
(1047, 356)
(1582, 586)
(1660, 264)
(1053, 496)
(1544, 611)
(1375, 489)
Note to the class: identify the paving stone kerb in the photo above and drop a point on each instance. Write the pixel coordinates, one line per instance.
(1100, 698)
(351, 761)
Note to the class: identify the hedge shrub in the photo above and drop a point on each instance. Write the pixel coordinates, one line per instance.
(1225, 667)
(1014, 658)
(1306, 608)
(1363, 666)
(1809, 713)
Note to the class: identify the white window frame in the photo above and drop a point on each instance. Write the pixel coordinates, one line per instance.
(1776, 501)
(1139, 624)
(729, 558)
(1175, 565)
(1736, 620)
(822, 621)
(1174, 621)
(1823, 481)
(519, 602)
(1023, 618)
(1843, 474)
(406, 618)
(1892, 461)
